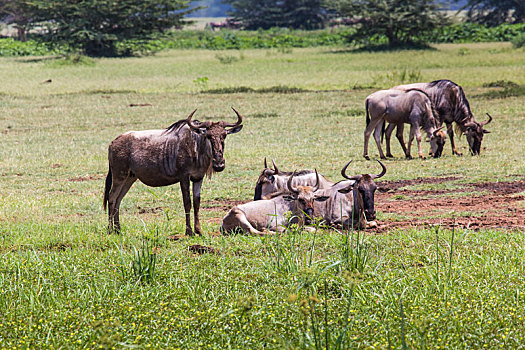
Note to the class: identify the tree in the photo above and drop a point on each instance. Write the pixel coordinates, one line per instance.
(495, 12)
(254, 14)
(17, 12)
(402, 22)
(96, 26)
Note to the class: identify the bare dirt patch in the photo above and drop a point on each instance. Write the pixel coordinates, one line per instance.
(500, 205)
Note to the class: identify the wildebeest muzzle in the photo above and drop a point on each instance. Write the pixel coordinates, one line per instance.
(309, 215)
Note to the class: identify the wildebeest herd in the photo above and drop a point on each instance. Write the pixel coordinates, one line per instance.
(188, 150)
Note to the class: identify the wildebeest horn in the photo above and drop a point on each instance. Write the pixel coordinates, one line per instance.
(470, 124)
(383, 172)
(289, 183)
(355, 177)
(436, 131)
(265, 164)
(239, 120)
(488, 121)
(275, 167)
(316, 187)
(190, 123)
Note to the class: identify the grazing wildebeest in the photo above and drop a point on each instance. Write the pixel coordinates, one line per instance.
(256, 216)
(186, 151)
(397, 106)
(351, 201)
(452, 106)
(274, 180)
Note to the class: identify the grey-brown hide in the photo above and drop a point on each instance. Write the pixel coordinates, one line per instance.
(452, 105)
(270, 214)
(398, 107)
(351, 202)
(184, 152)
(274, 180)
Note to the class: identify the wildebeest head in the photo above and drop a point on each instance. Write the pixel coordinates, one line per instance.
(365, 188)
(216, 133)
(266, 181)
(437, 142)
(304, 197)
(474, 132)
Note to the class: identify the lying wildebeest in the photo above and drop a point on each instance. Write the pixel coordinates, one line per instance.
(397, 106)
(351, 202)
(256, 216)
(273, 180)
(452, 106)
(186, 151)
(354, 195)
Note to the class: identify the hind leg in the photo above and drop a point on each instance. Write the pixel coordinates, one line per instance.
(388, 136)
(121, 186)
(368, 131)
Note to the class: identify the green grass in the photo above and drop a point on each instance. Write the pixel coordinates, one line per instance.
(64, 283)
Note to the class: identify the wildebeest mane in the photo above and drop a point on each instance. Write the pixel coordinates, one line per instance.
(460, 105)
(178, 124)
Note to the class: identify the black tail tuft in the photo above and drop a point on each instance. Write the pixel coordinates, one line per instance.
(107, 188)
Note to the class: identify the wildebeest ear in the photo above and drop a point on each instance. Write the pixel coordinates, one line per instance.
(486, 131)
(322, 198)
(346, 190)
(289, 198)
(200, 131)
(235, 129)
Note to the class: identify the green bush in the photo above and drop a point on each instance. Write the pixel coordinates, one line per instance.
(518, 41)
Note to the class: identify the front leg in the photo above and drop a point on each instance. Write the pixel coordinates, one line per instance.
(185, 189)
(196, 205)
(450, 132)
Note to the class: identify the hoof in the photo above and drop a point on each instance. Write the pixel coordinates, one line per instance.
(389, 156)
(367, 157)
(371, 224)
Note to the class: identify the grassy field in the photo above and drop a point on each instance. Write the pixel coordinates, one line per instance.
(64, 283)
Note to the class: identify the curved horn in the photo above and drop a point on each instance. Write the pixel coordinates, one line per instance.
(190, 123)
(343, 173)
(383, 172)
(289, 184)
(469, 124)
(488, 121)
(436, 131)
(275, 167)
(239, 120)
(265, 164)
(316, 187)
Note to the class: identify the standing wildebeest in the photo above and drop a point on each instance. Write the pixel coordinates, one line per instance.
(186, 151)
(274, 180)
(452, 106)
(256, 216)
(397, 106)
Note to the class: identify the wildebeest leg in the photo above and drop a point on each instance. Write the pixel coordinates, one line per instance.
(450, 132)
(236, 219)
(368, 131)
(196, 205)
(418, 139)
(377, 138)
(413, 129)
(388, 136)
(119, 189)
(185, 189)
(399, 136)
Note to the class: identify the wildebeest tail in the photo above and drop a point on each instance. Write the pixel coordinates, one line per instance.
(383, 130)
(107, 188)
(367, 114)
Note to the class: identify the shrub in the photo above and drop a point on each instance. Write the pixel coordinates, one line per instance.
(518, 41)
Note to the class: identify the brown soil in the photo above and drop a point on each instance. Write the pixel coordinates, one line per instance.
(474, 206)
